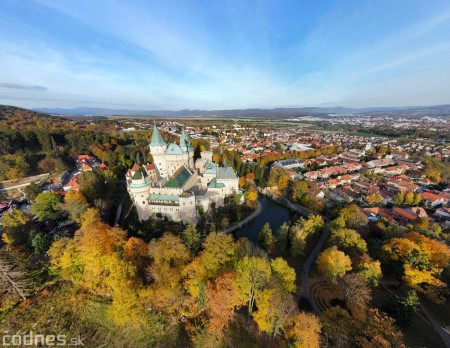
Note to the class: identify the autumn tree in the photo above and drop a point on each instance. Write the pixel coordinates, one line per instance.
(378, 330)
(75, 204)
(52, 165)
(399, 199)
(251, 195)
(374, 198)
(348, 239)
(409, 198)
(47, 206)
(265, 238)
(333, 263)
(354, 290)
(242, 182)
(275, 310)
(304, 331)
(299, 191)
(352, 217)
(338, 324)
(191, 238)
(283, 276)
(218, 252)
(422, 223)
(417, 199)
(16, 224)
(250, 176)
(222, 300)
(126, 309)
(82, 260)
(433, 170)
(283, 183)
(135, 251)
(169, 258)
(301, 230)
(422, 260)
(253, 275)
(369, 269)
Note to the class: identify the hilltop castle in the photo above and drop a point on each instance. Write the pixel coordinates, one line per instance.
(176, 186)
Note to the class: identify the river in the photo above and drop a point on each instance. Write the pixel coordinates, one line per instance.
(271, 212)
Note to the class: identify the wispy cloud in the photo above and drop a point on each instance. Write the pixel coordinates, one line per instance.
(228, 54)
(23, 87)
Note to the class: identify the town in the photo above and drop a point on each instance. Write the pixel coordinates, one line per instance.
(341, 208)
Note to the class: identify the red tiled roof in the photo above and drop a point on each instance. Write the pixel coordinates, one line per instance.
(404, 213)
(428, 196)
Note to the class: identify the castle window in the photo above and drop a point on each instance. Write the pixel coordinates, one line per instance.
(143, 202)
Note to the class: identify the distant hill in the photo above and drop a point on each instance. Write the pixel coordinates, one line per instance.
(8, 111)
(441, 110)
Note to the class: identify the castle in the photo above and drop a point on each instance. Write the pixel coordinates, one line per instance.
(174, 185)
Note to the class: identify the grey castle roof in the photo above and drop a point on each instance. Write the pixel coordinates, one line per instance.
(226, 173)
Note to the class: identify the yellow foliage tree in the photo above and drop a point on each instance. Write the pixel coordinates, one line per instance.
(219, 249)
(333, 263)
(304, 331)
(253, 275)
(283, 183)
(283, 275)
(275, 309)
(76, 204)
(15, 227)
(169, 258)
(423, 260)
(135, 251)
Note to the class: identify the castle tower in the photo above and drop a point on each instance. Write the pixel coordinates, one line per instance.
(158, 148)
(157, 144)
(187, 148)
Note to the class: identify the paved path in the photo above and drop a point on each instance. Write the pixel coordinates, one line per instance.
(304, 287)
(429, 319)
(445, 337)
(303, 292)
(246, 220)
(119, 210)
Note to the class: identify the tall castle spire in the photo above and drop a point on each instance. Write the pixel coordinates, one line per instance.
(157, 139)
(185, 143)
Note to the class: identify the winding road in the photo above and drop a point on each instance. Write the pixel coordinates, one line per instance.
(304, 288)
(303, 291)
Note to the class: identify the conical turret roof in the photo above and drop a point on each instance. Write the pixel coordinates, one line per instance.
(157, 139)
(184, 141)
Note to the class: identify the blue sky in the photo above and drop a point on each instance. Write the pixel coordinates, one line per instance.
(209, 54)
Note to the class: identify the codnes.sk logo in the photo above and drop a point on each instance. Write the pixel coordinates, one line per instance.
(34, 339)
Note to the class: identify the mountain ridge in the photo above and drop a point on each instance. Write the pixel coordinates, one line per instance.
(255, 112)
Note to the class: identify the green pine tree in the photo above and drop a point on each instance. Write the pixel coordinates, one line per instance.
(265, 238)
